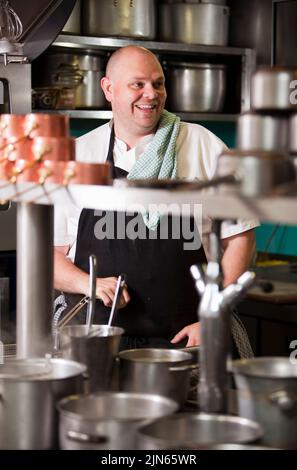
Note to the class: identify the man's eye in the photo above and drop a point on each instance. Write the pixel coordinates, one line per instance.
(137, 85)
(159, 85)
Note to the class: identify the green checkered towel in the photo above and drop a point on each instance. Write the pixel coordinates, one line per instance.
(159, 159)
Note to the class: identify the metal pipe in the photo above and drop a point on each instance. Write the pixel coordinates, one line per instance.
(34, 279)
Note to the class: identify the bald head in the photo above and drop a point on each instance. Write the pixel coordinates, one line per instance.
(122, 55)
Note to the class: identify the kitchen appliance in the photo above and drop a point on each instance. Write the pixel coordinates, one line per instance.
(29, 390)
(193, 22)
(120, 18)
(195, 87)
(108, 420)
(267, 393)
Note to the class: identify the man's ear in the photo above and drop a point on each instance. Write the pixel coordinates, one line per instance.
(106, 86)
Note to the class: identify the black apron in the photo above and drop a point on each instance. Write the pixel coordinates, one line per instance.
(163, 296)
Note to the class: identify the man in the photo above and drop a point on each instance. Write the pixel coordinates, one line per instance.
(159, 303)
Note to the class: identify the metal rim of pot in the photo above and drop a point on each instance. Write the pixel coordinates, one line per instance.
(241, 366)
(195, 65)
(129, 395)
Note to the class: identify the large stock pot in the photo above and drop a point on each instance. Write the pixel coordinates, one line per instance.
(29, 389)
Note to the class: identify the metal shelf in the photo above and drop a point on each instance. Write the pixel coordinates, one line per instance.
(108, 43)
(213, 203)
(106, 114)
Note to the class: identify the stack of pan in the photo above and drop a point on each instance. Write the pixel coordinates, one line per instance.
(266, 141)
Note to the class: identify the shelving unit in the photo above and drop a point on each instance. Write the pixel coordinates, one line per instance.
(244, 59)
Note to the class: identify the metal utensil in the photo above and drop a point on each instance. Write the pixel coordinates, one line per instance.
(119, 288)
(92, 291)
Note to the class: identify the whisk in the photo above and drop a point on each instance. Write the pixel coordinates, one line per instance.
(11, 29)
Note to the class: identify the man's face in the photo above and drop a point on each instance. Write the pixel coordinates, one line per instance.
(137, 92)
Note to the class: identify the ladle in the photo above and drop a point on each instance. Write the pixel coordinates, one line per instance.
(119, 288)
(92, 292)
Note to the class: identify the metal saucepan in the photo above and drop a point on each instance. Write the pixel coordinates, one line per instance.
(262, 132)
(29, 389)
(267, 392)
(108, 420)
(88, 173)
(273, 88)
(12, 126)
(197, 431)
(46, 125)
(162, 371)
(258, 172)
(97, 351)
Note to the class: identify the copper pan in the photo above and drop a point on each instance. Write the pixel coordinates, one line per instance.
(12, 126)
(47, 171)
(88, 173)
(53, 148)
(17, 150)
(46, 125)
(6, 170)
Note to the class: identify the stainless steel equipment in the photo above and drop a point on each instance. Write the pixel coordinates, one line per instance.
(108, 420)
(152, 370)
(29, 390)
(80, 72)
(194, 23)
(196, 87)
(128, 18)
(97, 350)
(267, 392)
(73, 25)
(196, 431)
(262, 132)
(274, 88)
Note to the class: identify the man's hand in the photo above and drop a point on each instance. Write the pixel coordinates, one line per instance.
(105, 291)
(192, 332)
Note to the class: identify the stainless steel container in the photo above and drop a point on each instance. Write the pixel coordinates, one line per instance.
(293, 134)
(194, 23)
(108, 420)
(29, 389)
(73, 25)
(267, 392)
(262, 132)
(80, 72)
(274, 88)
(194, 87)
(128, 18)
(259, 173)
(97, 351)
(196, 431)
(162, 371)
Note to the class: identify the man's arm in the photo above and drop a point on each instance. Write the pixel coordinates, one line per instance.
(69, 278)
(238, 253)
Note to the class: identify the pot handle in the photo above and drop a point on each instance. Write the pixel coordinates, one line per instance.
(185, 367)
(286, 401)
(82, 437)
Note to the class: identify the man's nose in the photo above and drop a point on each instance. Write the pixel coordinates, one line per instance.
(149, 91)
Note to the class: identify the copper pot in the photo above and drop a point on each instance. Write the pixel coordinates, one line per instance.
(18, 150)
(47, 171)
(46, 125)
(88, 173)
(53, 148)
(12, 126)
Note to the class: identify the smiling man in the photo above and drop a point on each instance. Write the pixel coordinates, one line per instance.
(159, 303)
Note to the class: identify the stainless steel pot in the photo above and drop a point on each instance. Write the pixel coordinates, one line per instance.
(194, 87)
(80, 72)
(29, 389)
(162, 371)
(196, 431)
(262, 132)
(108, 420)
(128, 18)
(97, 351)
(194, 23)
(274, 88)
(267, 392)
(293, 134)
(73, 24)
(259, 173)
